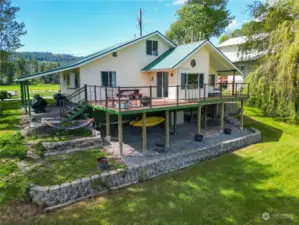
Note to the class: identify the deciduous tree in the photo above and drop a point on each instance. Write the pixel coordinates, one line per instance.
(199, 20)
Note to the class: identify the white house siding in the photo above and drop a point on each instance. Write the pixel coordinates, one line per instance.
(127, 65)
(202, 58)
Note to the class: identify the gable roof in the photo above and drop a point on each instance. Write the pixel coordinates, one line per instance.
(176, 56)
(173, 57)
(94, 56)
(233, 41)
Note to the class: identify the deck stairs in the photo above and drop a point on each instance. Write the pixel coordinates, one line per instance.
(74, 105)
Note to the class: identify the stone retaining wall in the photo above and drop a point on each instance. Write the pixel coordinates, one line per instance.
(79, 144)
(60, 195)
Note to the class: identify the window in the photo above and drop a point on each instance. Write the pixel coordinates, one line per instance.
(114, 54)
(77, 80)
(212, 80)
(241, 67)
(68, 80)
(192, 79)
(151, 47)
(109, 79)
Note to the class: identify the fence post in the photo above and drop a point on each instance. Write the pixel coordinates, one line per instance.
(119, 106)
(199, 92)
(85, 91)
(177, 94)
(106, 97)
(151, 97)
(95, 94)
(221, 87)
(204, 91)
(236, 92)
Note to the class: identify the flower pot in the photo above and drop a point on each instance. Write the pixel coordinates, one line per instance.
(103, 163)
(227, 131)
(145, 101)
(160, 148)
(198, 137)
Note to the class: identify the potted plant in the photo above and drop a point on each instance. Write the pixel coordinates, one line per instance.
(145, 101)
(198, 137)
(103, 163)
(227, 131)
(160, 148)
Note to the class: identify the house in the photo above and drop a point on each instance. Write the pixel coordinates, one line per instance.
(245, 62)
(149, 74)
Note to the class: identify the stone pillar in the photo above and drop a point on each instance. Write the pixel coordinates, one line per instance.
(198, 119)
(108, 135)
(120, 134)
(222, 117)
(167, 128)
(241, 115)
(144, 136)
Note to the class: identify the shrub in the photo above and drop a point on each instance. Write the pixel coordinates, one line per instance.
(12, 145)
(40, 149)
(3, 95)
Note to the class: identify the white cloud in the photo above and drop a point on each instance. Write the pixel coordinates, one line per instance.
(179, 2)
(233, 24)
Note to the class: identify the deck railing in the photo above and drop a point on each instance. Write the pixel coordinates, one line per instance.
(124, 98)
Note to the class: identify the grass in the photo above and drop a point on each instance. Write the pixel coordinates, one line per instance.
(62, 135)
(235, 188)
(63, 168)
(44, 90)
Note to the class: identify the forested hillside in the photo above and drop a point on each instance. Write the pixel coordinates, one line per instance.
(24, 63)
(45, 57)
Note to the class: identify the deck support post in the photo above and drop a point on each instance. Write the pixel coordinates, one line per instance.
(198, 119)
(120, 134)
(28, 95)
(222, 117)
(174, 121)
(241, 115)
(108, 135)
(167, 128)
(192, 115)
(144, 135)
(205, 117)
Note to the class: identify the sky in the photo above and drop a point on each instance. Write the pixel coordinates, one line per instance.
(82, 27)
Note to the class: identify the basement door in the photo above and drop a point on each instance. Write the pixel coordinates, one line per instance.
(162, 84)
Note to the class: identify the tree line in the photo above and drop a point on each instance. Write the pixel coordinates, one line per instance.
(26, 63)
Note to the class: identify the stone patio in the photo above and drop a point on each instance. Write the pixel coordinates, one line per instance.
(183, 140)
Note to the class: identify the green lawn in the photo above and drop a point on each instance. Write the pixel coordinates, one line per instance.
(62, 168)
(235, 188)
(44, 90)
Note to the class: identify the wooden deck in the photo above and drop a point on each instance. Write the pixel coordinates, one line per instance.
(160, 104)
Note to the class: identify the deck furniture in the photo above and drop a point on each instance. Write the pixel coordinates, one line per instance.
(129, 93)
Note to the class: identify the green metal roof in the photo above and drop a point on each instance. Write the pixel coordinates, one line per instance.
(173, 57)
(89, 58)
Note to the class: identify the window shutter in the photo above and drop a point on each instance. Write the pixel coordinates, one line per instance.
(183, 80)
(155, 47)
(201, 80)
(149, 47)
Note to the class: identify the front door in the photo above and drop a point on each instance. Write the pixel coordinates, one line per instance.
(162, 84)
